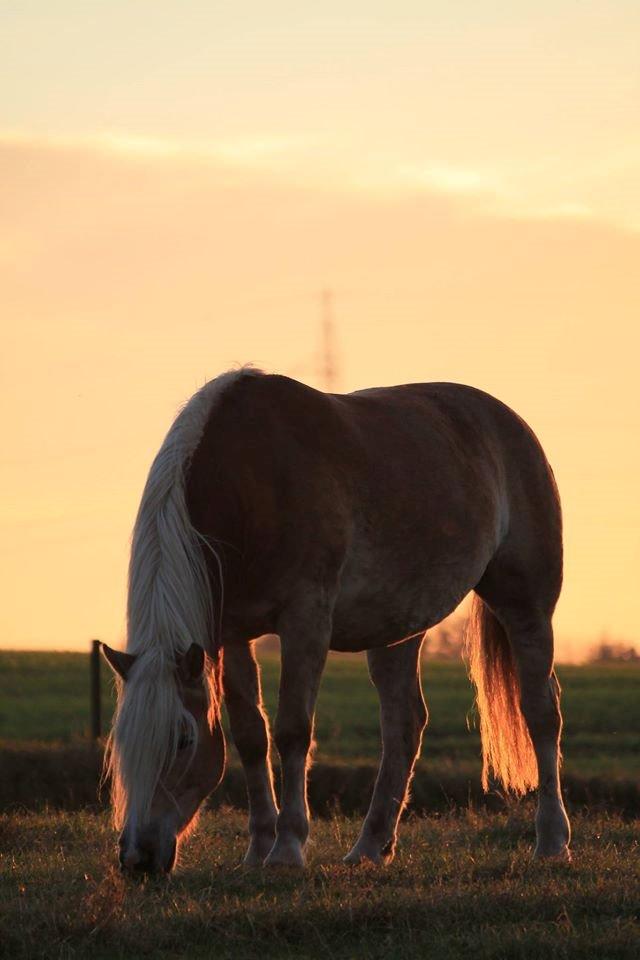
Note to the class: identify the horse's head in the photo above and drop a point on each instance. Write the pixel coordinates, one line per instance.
(167, 752)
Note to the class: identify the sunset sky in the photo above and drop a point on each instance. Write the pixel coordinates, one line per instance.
(179, 181)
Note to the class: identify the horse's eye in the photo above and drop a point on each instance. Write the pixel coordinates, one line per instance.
(185, 741)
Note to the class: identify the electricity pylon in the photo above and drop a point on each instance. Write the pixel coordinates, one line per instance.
(328, 364)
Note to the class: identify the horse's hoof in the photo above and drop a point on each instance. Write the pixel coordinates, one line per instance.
(363, 855)
(252, 860)
(288, 856)
(561, 855)
(257, 852)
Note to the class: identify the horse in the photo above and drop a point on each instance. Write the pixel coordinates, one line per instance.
(348, 522)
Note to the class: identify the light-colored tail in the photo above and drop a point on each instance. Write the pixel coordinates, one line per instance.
(507, 751)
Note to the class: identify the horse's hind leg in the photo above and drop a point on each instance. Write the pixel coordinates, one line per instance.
(250, 732)
(395, 672)
(531, 638)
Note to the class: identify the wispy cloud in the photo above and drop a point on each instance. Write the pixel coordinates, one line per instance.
(243, 151)
(453, 180)
(496, 194)
(557, 211)
(506, 193)
(596, 193)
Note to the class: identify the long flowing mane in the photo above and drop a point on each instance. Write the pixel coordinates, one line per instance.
(169, 607)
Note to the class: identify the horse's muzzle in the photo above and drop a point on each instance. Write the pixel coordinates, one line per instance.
(140, 861)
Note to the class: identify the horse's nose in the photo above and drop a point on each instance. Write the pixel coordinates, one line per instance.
(146, 852)
(135, 861)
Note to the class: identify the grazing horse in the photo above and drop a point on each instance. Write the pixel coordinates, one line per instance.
(338, 522)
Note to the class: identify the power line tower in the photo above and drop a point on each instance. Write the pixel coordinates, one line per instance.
(329, 368)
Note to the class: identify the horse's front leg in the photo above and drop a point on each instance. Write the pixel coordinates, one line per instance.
(304, 641)
(395, 672)
(250, 732)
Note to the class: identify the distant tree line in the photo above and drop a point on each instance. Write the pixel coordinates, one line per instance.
(613, 651)
(446, 641)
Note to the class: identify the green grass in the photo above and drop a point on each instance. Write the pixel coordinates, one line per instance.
(462, 886)
(45, 697)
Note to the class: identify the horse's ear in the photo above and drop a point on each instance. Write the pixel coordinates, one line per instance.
(119, 661)
(191, 664)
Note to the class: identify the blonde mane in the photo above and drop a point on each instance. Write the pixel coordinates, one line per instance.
(169, 607)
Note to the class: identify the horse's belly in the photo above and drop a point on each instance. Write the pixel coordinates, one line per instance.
(381, 603)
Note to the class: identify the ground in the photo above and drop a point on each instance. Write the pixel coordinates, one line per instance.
(44, 697)
(462, 886)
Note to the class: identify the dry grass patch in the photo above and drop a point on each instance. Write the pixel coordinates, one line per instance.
(461, 886)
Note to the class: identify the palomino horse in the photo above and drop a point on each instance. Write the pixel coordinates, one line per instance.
(339, 522)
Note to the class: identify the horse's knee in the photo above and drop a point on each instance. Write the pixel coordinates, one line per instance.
(252, 741)
(292, 738)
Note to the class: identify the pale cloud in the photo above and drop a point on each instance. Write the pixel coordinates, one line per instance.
(454, 180)
(247, 151)
(243, 151)
(513, 195)
(518, 193)
(559, 211)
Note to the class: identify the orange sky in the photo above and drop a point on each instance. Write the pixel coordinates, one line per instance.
(176, 190)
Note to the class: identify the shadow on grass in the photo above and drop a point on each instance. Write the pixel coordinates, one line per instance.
(67, 776)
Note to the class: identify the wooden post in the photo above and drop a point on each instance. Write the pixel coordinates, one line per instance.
(94, 658)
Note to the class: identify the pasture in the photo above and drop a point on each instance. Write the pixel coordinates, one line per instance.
(462, 886)
(463, 883)
(44, 698)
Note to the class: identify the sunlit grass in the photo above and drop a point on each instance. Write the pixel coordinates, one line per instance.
(45, 697)
(461, 886)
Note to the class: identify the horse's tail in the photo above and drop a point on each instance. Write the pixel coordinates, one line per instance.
(507, 751)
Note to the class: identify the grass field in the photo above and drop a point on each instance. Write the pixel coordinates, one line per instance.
(45, 697)
(462, 886)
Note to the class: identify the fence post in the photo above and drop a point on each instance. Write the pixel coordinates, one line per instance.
(94, 660)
